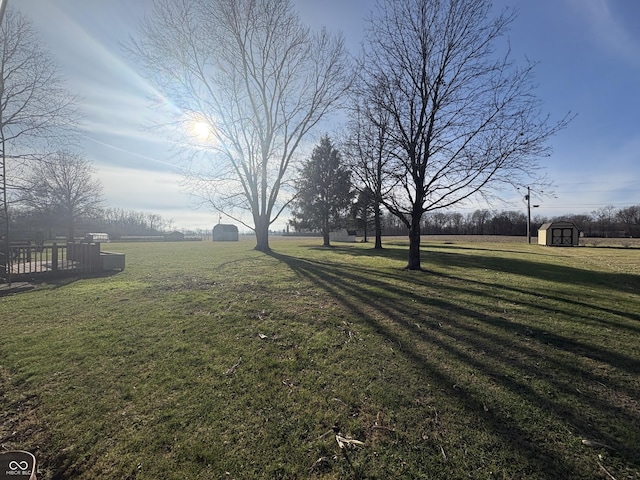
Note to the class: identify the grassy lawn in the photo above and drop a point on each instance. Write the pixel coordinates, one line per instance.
(213, 361)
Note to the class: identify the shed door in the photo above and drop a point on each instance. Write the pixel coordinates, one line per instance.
(562, 236)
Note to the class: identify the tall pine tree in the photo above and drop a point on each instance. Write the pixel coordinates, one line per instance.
(324, 191)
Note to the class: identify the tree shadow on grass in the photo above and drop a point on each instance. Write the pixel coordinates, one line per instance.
(541, 270)
(523, 371)
(521, 266)
(27, 283)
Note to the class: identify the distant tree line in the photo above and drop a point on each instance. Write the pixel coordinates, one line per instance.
(31, 225)
(329, 197)
(607, 222)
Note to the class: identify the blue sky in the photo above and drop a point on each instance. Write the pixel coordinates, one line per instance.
(589, 63)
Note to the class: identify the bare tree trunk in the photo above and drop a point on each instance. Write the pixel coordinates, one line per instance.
(262, 234)
(378, 226)
(365, 239)
(414, 243)
(326, 240)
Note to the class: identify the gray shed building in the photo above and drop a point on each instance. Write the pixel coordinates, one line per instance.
(225, 233)
(559, 234)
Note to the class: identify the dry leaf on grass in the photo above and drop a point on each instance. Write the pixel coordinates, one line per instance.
(343, 441)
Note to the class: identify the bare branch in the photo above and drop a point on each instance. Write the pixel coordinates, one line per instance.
(462, 120)
(259, 78)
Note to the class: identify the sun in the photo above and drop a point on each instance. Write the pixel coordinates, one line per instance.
(201, 130)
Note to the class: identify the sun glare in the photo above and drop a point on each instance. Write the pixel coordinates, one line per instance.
(200, 130)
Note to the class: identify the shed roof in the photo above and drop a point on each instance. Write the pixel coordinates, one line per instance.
(225, 228)
(558, 224)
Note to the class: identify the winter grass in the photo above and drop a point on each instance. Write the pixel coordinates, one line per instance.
(211, 360)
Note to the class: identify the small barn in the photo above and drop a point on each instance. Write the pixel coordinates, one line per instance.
(225, 233)
(559, 234)
(174, 237)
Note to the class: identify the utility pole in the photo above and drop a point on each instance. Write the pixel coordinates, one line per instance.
(528, 197)
(5, 248)
(5, 264)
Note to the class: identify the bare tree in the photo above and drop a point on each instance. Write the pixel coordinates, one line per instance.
(479, 219)
(36, 109)
(257, 78)
(463, 120)
(118, 222)
(629, 216)
(367, 150)
(154, 221)
(63, 188)
(361, 211)
(604, 217)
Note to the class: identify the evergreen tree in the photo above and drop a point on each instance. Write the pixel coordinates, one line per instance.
(324, 191)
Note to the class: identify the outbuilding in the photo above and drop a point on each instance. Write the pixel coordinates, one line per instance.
(225, 233)
(342, 235)
(174, 237)
(559, 234)
(95, 238)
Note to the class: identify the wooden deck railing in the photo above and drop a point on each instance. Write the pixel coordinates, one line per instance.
(27, 260)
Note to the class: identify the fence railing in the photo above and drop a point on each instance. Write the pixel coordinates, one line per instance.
(28, 259)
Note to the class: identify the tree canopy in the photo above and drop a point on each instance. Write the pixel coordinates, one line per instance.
(62, 188)
(324, 193)
(37, 112)
(258, 78)
(460, 119)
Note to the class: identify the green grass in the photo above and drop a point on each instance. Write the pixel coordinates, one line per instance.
(211, 360)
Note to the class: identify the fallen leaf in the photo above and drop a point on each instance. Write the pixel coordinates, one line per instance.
(343, 441)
